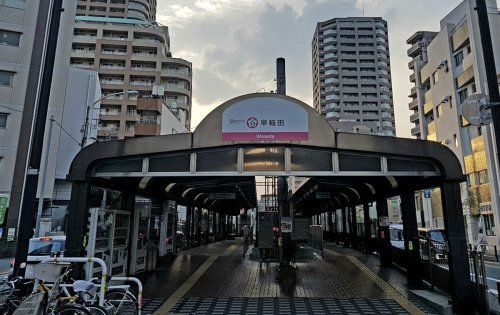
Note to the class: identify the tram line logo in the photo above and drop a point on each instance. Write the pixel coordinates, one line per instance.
(252, 122)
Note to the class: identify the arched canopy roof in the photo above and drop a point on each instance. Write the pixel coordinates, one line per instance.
(221, 157)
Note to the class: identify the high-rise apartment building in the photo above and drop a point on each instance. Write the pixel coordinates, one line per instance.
(447, 67)
(352, 75)
(121, 40)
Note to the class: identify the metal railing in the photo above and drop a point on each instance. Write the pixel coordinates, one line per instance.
(435, 266)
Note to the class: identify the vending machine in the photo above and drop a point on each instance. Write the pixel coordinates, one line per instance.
(108, 240)
(139, 245)
(168, 239)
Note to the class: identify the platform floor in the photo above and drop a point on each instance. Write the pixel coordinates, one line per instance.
(217, 279)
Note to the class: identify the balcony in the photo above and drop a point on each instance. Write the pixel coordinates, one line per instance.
(412, 77)
(143, 69)
(84, 38)
(411, 64)
(415, 49)
(142, 83)
(175, 88)
(147, 128)
(413, 105)
(112, 67)
(386, 106)
(413, 92)
(466, 77)
(112, 82)
(149, 104)
(414, 117)
(460, 37)
(380, 47)
(415, 131)
(114, 52)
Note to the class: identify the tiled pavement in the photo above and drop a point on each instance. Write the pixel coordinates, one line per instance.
(229, 284)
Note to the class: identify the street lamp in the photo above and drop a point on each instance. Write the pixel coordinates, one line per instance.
(91, 106)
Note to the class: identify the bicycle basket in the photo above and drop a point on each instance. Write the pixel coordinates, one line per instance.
(49, 272)
(32, 305)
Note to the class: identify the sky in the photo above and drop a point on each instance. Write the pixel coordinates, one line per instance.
(233, 44)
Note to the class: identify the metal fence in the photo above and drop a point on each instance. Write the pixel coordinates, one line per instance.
(434, 259)
(315, 240)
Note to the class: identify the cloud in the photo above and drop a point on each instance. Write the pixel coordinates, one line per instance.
(233, 44)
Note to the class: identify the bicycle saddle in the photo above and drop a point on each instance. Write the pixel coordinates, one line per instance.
(83, 286)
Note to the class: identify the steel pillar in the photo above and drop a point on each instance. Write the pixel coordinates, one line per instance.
(76, 223)
(354, 228)
(367, 226)
(412, 243)
(384, 240)
(458, 255)
(344, 225)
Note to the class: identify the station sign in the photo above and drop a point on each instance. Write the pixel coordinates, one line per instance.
(4, 203)
(265, 119)
(286, 225)
(322, 195)
(222, 196)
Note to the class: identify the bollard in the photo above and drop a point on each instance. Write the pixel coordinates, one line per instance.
(498, 292)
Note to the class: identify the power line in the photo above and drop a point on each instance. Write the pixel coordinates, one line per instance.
(267, 84)
(65, 131)
(57, 123)
(16, 110)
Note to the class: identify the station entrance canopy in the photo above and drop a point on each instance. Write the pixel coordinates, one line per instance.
(266, 134)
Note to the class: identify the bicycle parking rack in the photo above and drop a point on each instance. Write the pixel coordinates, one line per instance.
(86, 260)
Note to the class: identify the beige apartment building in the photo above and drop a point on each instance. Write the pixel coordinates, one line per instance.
(447, 67)
(121, 40)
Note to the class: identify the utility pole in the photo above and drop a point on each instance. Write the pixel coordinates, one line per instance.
(489, 65)
(43, 176)
(25, 230)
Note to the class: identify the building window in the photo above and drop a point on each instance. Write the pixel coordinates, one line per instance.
(455, 139)
(439, 110)
(459, 58)
(9, 38)
(6, 78)
(462, 95)
(483, 177)
(17, 4)
(473, 87)
(435, 77)
(489, 224)
(3, 120)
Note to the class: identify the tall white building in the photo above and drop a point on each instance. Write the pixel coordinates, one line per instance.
(352, 75)
(447, 67)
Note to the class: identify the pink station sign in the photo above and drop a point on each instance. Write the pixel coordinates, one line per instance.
(265, 119)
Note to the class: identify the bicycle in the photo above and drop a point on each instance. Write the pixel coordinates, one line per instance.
(50, 301)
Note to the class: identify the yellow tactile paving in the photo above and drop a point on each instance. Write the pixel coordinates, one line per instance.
(387, 288)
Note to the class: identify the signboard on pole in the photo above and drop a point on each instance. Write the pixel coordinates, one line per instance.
(11, 234)
(265, 119)
(4, 203)
(383, 221)
(322, 195)
(286, 225)
(222, 196)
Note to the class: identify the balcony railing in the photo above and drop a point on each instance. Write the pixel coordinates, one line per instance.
(143, 69)
(114, 52)
(142, 83)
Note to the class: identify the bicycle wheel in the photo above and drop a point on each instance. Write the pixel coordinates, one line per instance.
(73, 309)
(124, 302)
(97, 310)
